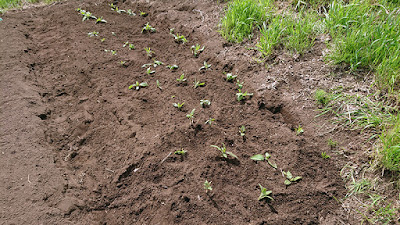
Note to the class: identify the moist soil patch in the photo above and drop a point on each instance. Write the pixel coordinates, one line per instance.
(115, 146)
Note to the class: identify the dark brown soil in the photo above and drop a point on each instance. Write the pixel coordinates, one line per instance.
(78, 146)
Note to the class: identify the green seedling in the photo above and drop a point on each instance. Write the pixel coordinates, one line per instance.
(239, 84)
(197, 49)
(122, 63)
(116, 9)
(180, 38)
(93, 34)
(242, 130)
(207, 186)
(299, 130)
(180, 152)
(113, 34)
(197, 84)
(131, 46)
(138, 85)
(101, 20)
(204, 103)
(332, 143)
(223, 151)
(265, 194)
(190, 116)
(173, 67)
(205, 66)
(230, 77)
(209, 121)
(103, 39)
(240, 95)
(144, 14)
(260, 157)
(157, 63)
(125, 44)
(86, 14)
(148, 28)
(150, 53)
(289, 178)
(113, 52)
(324, 155)
(129, 12)
(158, 84)
(178, 105)
(149, 71)
(181, 79)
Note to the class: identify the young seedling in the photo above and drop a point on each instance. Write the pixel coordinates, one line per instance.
(299, 130)
(86, 14)
(289, 178)
(179, 105)
(205, 66)
(113, 34)
(131, 46)
(101, 20)
(240, 95)
(113, 52)
(181, 79)
(332, 143)
(204, 103)
(103, 39)
(190, 116)
(223, 151)
(138, 85)
(324, 155)
(143, 14)
(239, 84)
(148, 28)
(149, 71)
(265, 194)
(197, 84)
(207, 186)
(260, 157)
(180, 38)
(129, 12)
(158, 84)
(93, 34)
(230, 77)
(157, 63)
(197, 49)
(209, 121)
(180, 152)
(150, 53)
(122, 63)
(173, 67)
(242, 131)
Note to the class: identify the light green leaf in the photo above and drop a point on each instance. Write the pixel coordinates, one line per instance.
(257, 157)
(287, 182)
(231, 154)
(267, 155)
(272, 164)
(296, 178)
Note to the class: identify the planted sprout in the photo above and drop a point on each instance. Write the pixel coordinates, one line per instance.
(181, 79)
(125, 44)
(223, 151)
(93, 34)
(230, 77)
(101, 20)
(332, 143)
(242, 130)
(190, 116)
(103, 39)
(207, 186)
(131, 46)
(205, 66)
(197, 84)
(178, 105)
(149, 71)
(173, 67)
(129, 12)
(204, 103)
(180, 152)
(209, 121)
(157, 63)
(113, 34)
(148, 28)
(260, 157)
(113, 52)
(289, 178)
(144, 14)
(240, 95)
(264, 194)
(122, 63)
(239, 84)
(299, 130)
(158, 84)
(86, 14)
(138, 85)
(197, 49)
(324, 155)
(179, 38)
(150, 53)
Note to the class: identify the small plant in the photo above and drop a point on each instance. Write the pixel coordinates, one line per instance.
(197, 84)
(260, 157)
(207, 186)
(239, 84)
(324, 155)
(122, 63)
(113, 34)
(93, 34)
(190, 116)
(204, 103)
(180, 152)
(332, 143)
(129, 12)
(149, 71)
(173, 67)
(131, 46)
(209, 121)
(138, 85)
(103, 39)
(299, 130)
(101, 20)
(178, 105)
(197, 49)
(223, 151)
(113, 52)
(86, 14)
(143, 14)
(157, 63)
(150, 53)
(125, 44)
(178, 38)
(181, 79)
(265, 194)
(148, 28)
(242, 130)
(230, 77)
(323, 97)
(205, 66)
(289, 178)
(158, 85)
(240, 95)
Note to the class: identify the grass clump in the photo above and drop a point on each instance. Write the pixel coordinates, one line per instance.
(241, 17)
(8, 4)
(389, 153)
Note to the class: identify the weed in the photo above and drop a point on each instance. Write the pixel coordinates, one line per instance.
(197, 84)
(158, 85)
(389, 154)
(323, 97)
(299, 130)
(230, 77)
(241, 96)
(207, 186)
(242, 131)
(267, 157)
(173, 67)
(205, 66)
(101, 20)
(324, 155)
(180, 152)
(93, 34)
(332, 143)
(358, 187)
(204, 103)
(265, 194)
(150, 53)
(182, 78)
(149, 71)
(197, 49)
(190, 116)
(178, 105)
(223, 151)
(289, 178)
(209, 121)
(138, 85)
(148, 28)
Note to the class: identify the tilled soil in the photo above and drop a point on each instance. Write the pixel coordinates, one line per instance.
(112, 148)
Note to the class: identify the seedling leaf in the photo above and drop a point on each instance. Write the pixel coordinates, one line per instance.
(257, 157)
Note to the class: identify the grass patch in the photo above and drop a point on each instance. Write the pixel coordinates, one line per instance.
(389, 153)
(9, 4)
(242, 17)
